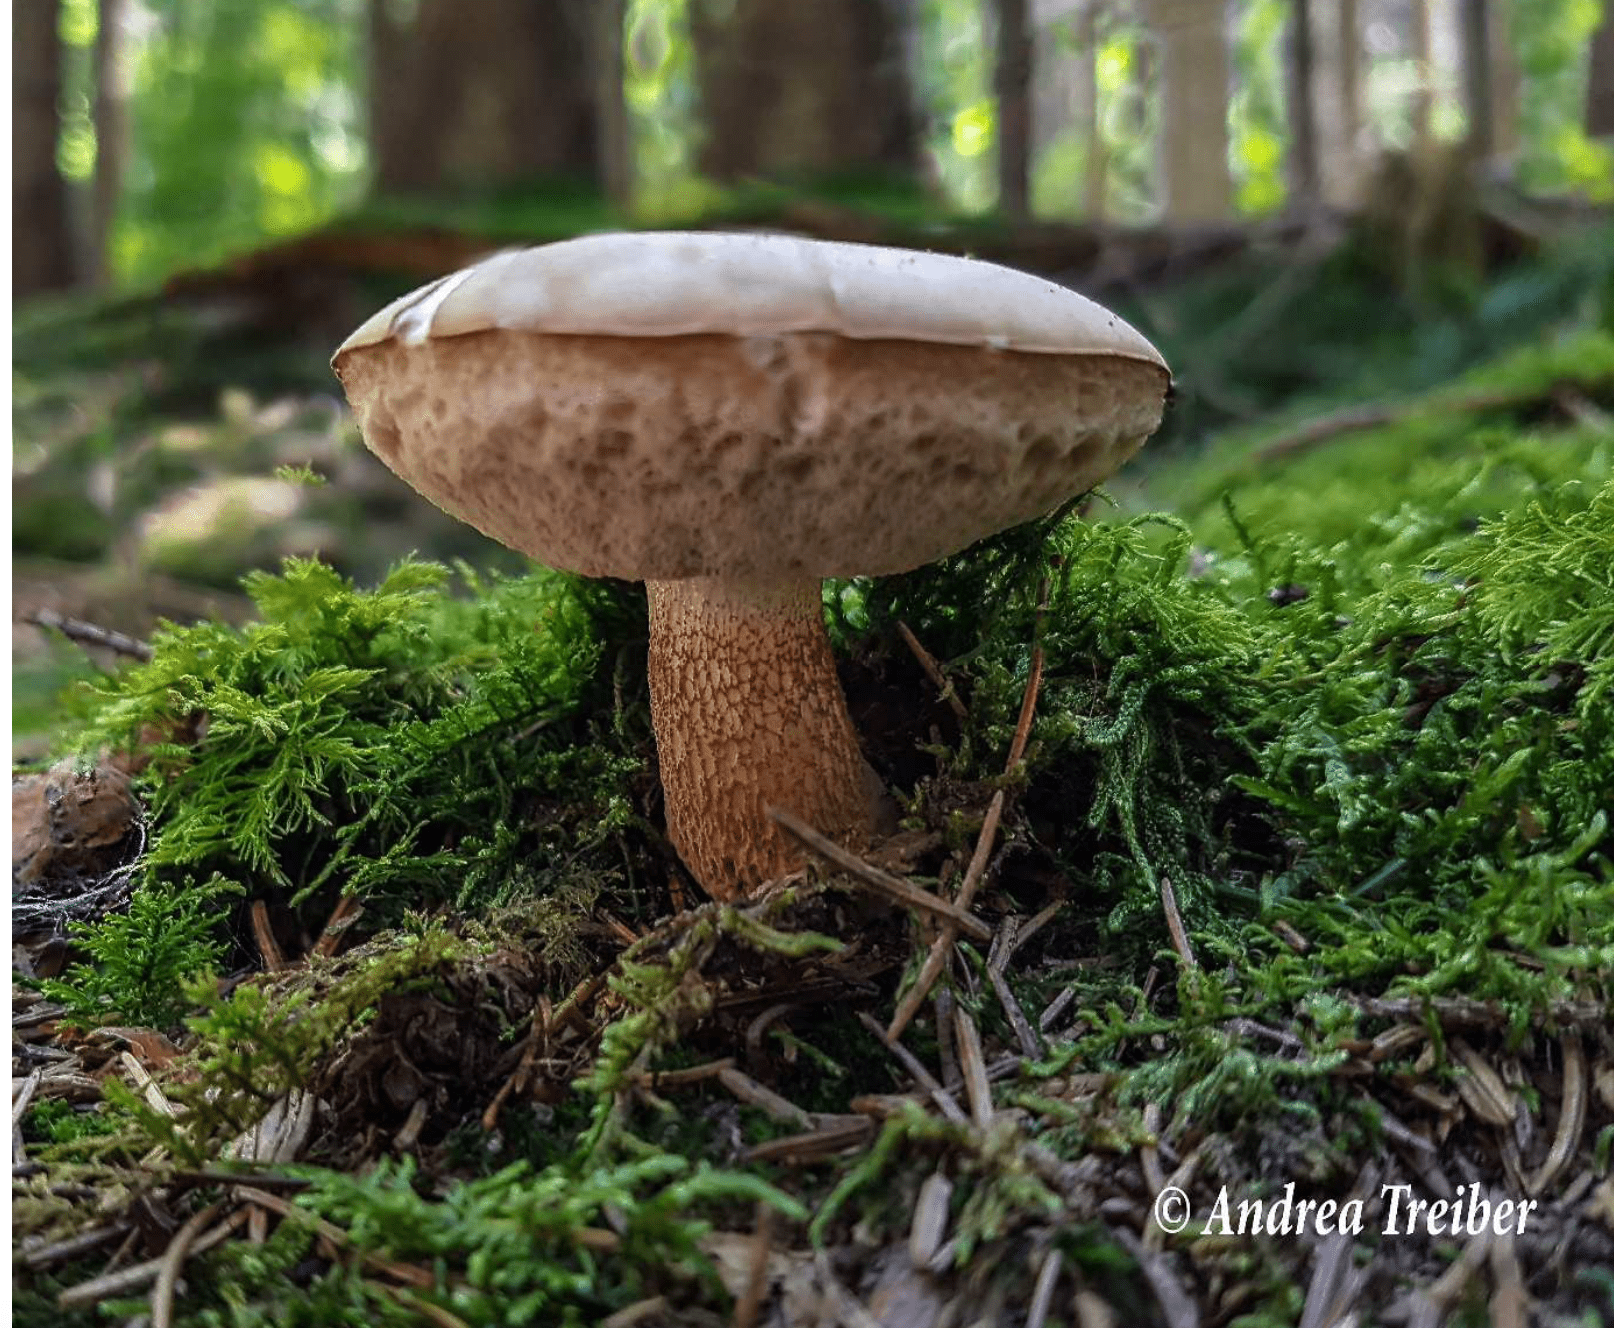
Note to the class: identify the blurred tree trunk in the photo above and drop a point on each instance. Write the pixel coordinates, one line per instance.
(789, 89)
(1600, 86)
(111, 135)
(1479, 99)
(614, 132)
(1305, 171)
(482, 95)
(1423, 98)
(1096, 160)
(1195, 77)
(1011, 82)
(1325, 95)
(41, 231)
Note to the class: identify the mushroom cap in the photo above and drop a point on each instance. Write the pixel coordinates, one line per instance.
(661, 405)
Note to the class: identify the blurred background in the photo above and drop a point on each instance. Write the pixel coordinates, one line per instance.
(1309, 204)
(154, 135)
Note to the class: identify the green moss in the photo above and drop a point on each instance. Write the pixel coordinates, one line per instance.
(400, 744)
(515, 1247)
(138, 960)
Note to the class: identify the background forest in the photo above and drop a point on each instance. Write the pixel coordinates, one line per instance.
(159, 134)
(1254, 810)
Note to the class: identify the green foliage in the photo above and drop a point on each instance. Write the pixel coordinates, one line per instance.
(1257, 118)
(245, 126)
(516, 1247)
(1261, 338)
(1551, 38)
(664, 991)
(57, 1122)
(139, 960)
(398, 743)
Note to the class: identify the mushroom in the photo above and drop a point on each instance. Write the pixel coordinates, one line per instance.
(731, 418)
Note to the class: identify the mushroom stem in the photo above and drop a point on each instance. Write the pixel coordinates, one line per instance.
(749, 714)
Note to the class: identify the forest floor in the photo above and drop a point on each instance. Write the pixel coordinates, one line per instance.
(355, 981)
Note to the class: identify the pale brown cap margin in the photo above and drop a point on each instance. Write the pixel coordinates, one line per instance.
(666, 405)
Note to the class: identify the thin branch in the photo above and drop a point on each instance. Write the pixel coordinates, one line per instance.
(749, 1091)
(1465, 1011)
(1571, 1115)
(892, 887)
(348, 910)
(268, 948)
(126, 1280)
(173, 1260)
(1174, 924)
(90, 634)
(1030, 1044)
(1357, 419)
(1028, 706)
(942, 946)
(749, 1303)
(914, 1066)
(932, 669)
(972, 1062)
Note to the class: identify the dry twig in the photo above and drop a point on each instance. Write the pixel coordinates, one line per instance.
(749, 1091)
(928, 1226)
(914, 1066)
(173, 1260)
(130, 1279)
(1571, 1116)
(1174, 924)
(1029, 1042)
(1042, 1295)
(348, 910)
(833, 1136)
(973, 1063)
(749, 1303)
(1174, 1302)
(1464, 1011)
(932, 669)
(268, 948)
(942, 947)
(892, 887)
(90, 634)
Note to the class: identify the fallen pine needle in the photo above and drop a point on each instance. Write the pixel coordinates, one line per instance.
(893, 887)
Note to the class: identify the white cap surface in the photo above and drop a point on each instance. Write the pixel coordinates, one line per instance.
(677, 283)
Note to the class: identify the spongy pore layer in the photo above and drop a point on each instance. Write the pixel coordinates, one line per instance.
(782, 455)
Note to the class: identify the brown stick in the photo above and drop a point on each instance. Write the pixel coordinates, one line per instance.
(173, 1260)
(263, 933)
(90, 634)
(1356, 419)
(932, 669)
(749, 1091)
(348, 910)
(1179, 933)
(936, 960)
(914, 1066)
(893, 887)
(973, 1062)
(403, 1272)
(749, 1302)
(1467, 1012)
(1028, 706)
